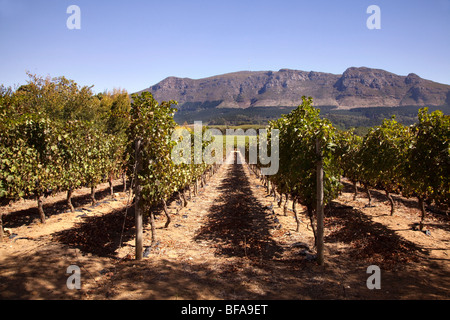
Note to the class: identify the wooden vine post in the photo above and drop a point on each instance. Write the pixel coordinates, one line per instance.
(138, 201)
(319, 208)
(1, 227)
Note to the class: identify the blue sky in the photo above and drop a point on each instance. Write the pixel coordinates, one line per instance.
(134, 44)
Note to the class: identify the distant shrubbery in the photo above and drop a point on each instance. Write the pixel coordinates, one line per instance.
(360, 119)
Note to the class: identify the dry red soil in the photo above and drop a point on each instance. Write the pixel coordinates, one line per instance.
(227, 243)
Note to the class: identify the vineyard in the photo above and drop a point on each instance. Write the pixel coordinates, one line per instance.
(90, 180)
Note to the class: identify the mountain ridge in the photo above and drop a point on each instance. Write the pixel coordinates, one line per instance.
(357, 87)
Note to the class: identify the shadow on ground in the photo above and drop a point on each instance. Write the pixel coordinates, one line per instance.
(43, 274)
(26, 217)
(238, 224)
(101, 235)
(238, 227)
(370, 241)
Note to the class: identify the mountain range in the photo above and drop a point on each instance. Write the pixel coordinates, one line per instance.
(357, 87)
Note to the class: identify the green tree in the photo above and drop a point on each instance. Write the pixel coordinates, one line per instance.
(383, 157)
(348, 155)
(428, 160)
(31, 162)
(152, 124)
(299, 132)
(59, 99)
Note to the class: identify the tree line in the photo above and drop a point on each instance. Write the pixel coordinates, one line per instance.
(57, 136)
(413, 161)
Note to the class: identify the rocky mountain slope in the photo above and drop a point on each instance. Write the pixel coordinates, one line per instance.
(356, 87)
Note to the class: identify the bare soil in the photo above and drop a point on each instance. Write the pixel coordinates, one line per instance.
(231, 241)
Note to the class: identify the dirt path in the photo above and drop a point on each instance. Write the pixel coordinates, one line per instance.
(230, 242)
(225, 245)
